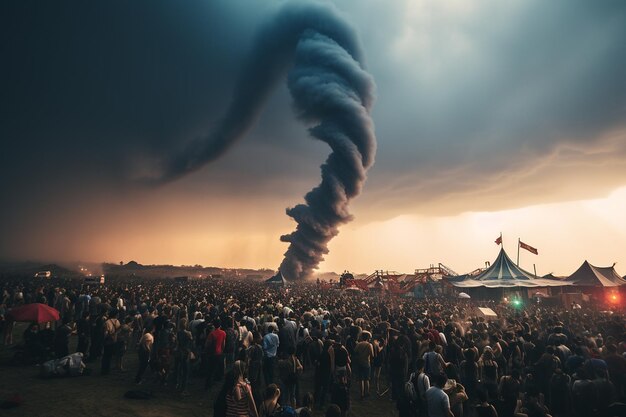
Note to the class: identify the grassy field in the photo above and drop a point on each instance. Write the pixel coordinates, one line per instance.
(96, 395)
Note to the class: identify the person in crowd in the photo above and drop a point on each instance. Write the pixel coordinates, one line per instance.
(290, 369)
(616, 366)
(536, 349)
(456, 394)
(545, 367)
(306, 408)
(364, 353)
(469, 373)
(378, 360)
(165, 349)
(508, 393)
(62, 339)
(111, 331)
(32, 344)
(533, 406)
(340, 394)
(270, 404)
(437, 401)
(323, 373)
(144, 353)
(398, 367)
(484, 408)
(270, 350)
(488, 373)
(286, 334)
(254, 358)
(434, 362)
(421, 385)
(97, 330)
(215, 342)
(341, 360)
(232, 342)
(83, 330)
(124, 339)
(184, 355)
(46, 341)
(239, 399)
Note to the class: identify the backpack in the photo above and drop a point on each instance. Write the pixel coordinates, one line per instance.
(408, 404)
(409, 389)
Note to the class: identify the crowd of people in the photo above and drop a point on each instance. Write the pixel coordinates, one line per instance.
(258, 347)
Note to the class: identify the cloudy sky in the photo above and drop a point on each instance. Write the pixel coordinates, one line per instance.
(490, 117)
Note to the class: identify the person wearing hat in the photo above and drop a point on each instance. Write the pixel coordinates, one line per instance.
(457, 395)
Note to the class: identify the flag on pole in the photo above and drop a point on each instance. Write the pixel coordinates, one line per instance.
(528, 248)
(499, 240)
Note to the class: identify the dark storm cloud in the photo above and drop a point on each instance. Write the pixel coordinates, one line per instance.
(471, 96)
(99, 87)
(90, 89)
(270, 56)
(331, 90)
(106, 81)
(98, 92)
(493, 90)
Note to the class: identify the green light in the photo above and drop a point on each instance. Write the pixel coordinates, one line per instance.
(517, 303)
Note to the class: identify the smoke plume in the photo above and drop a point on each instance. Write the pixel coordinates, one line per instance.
(331, 91)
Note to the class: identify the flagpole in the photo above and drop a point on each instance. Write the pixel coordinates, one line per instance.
(518, 241)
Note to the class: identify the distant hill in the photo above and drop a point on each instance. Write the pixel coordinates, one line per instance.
(133, 264)
(29, 268)
(135, 269)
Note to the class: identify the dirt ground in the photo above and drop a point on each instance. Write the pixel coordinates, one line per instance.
(94, 395)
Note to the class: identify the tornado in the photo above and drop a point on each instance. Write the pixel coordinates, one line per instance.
(318, 52)
(331, 90)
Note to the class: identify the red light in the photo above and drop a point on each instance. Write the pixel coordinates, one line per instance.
(614, 298)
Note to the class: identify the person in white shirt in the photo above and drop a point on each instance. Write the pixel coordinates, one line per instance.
(437, 401)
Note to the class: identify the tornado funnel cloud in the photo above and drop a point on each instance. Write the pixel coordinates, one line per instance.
(329, 88)
(332, 93)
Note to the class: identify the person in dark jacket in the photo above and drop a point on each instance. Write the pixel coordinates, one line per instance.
(83, 330)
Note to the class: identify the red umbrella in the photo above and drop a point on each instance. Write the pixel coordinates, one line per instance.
(36, 312)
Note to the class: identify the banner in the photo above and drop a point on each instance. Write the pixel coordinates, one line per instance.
(528, 248)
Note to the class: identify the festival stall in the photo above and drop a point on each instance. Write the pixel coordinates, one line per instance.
(500, 279)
